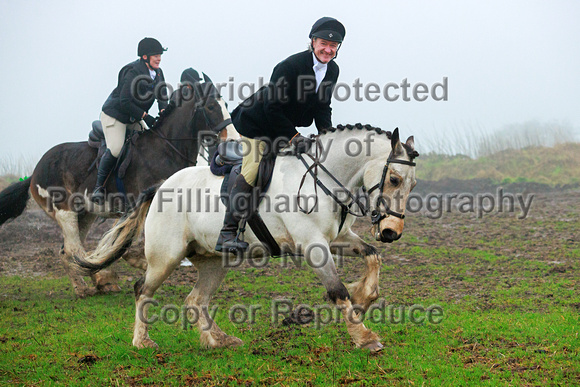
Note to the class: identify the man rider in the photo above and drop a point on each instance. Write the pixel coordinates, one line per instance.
(299, 92)
(139, 84)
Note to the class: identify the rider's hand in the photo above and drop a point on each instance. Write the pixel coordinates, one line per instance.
(149, 120)
(301, 144)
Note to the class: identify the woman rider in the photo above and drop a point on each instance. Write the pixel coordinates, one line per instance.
(140, 83)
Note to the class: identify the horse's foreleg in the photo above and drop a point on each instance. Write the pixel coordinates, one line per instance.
(366, 290)
(320, 258)
(68, 222)
(105, 280)
(361, 335)
(210, 275)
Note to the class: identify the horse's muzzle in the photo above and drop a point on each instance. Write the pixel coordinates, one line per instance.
(388, 236)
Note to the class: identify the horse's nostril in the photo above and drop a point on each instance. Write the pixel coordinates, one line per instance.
(389, 235)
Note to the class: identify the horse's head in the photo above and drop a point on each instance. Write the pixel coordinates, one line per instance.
(391, 181)
(207, 108)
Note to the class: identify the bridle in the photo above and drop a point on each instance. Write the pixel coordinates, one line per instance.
(346, 209)
(199, 105)
(376, 215)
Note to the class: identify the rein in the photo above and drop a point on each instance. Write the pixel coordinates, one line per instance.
(217, 128)
(376, 215)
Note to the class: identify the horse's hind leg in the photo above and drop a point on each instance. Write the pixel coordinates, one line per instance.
(210, 275)
(105, 280)
(160, 265)
(69, 224)
(366, 290)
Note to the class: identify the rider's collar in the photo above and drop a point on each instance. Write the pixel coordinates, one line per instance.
(317, 64)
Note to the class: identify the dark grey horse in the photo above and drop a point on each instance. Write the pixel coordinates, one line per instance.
(64, 177)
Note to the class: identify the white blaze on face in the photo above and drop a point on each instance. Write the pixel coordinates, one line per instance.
(42, 192)
(232, 133)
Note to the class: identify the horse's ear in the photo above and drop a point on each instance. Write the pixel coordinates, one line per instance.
(396, 146)
(206, 78)
(411, 143)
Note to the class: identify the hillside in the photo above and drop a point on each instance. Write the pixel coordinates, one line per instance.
(559, 165)
(6, 180)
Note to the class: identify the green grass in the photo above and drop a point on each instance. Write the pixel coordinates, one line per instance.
(508, 289)
(48, 336)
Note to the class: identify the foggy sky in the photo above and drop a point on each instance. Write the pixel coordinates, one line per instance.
(506, 61)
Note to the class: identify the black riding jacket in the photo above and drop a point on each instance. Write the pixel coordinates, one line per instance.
(135, 93)
(289, 101)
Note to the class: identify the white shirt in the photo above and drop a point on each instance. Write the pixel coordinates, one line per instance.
(319, 71)
(152, 73)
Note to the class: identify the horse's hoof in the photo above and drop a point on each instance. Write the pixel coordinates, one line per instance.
(109, 288)
(86, 292)
(373, 347)
(221, 341)
(147, 343)
(233, 341)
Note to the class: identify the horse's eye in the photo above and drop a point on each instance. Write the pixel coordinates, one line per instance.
(395, 181)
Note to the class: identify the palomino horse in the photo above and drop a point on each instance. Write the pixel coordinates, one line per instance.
(183, 217)
(62, 179)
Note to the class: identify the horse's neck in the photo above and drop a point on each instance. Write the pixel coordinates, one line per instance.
(175, 125)
(346, 161)
(175, 133)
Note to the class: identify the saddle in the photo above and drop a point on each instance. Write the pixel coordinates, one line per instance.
(97, 141)
(227, 162)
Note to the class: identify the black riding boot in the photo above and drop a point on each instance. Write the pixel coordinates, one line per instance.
(108, 162)
(239, 206)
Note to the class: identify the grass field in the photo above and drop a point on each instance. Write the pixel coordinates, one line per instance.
(50, 337)
(508, 289)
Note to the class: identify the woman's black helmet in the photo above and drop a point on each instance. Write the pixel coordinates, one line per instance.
(150, 46)
(328, 28)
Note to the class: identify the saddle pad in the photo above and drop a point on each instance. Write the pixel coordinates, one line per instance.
(96, 135)
(97, 140)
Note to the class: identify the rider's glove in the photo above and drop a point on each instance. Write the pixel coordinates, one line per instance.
(149, 120)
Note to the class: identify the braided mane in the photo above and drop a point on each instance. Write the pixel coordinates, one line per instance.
(412, 153)
(357, 126)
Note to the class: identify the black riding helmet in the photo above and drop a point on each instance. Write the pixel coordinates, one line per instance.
(193, 76)
(149, 47)
(328, 28)
(200, 80)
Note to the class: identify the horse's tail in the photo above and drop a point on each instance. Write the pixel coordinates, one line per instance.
(13, 200)
(117, 240)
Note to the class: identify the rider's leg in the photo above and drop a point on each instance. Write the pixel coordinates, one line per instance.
(106, 165)
(114, 137)
(240, 203)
